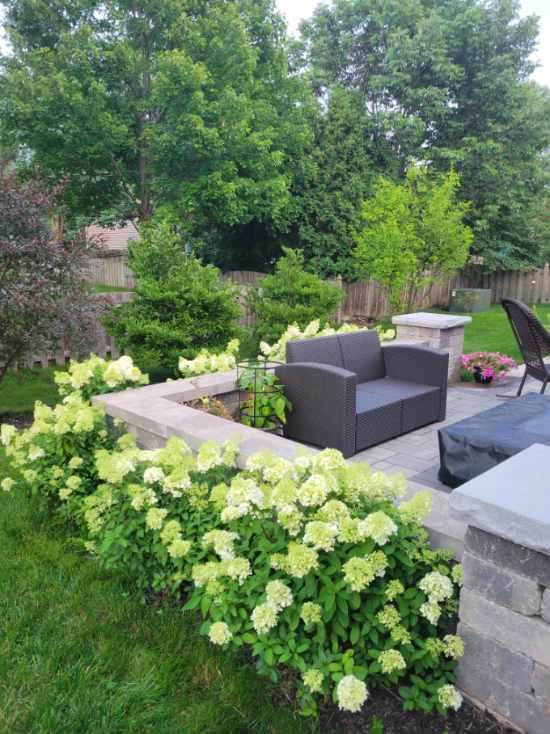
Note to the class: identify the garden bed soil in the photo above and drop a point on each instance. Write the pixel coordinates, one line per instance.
(384, 709)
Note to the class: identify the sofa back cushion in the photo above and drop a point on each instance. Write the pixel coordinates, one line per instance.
(322, 349)
(362, 354)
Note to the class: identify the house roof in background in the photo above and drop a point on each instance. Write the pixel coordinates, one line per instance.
(115, 238)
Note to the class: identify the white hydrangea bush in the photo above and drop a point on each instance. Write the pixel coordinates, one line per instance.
(336, 582)
(310, 564)
(96, 376)
(277, 351)
(207, 362)
(55, 458)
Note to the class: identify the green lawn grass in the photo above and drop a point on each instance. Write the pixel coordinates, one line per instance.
(19, 390)
(490, 331)
(80, 654)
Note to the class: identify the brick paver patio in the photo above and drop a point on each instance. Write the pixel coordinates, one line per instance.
(416, 454)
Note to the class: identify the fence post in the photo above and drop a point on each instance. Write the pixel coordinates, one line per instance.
(339, 311)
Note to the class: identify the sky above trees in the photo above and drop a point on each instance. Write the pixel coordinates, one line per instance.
(297, 10)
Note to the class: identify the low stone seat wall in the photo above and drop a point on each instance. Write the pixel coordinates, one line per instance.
(505, 602)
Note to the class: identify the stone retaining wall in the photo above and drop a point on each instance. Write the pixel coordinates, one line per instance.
(505, 601)
(505, 624)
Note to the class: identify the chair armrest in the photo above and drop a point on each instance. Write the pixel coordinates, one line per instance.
(323, 401)
(418, 364)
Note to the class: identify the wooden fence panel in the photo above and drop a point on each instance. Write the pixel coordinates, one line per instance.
(104, 345)
(111, 268)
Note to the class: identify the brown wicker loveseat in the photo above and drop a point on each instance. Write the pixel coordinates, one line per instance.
(348, 392)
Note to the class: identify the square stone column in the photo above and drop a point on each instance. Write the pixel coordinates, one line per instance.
(505, 601)
(437, 330)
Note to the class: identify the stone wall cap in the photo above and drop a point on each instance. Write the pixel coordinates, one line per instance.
(511, 500)
(431, 320)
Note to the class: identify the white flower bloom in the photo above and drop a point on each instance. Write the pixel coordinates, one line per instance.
(35, 452)
(377, 526)
(449, 697)
(219, 633)
(351, 694)
(7, 484)
(436, 586)
(279, 596)
(313, 679)
(321, 535)
(155, 517)
(153, 474)
(264, 618)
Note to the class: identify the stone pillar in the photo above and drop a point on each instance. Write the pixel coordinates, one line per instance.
(505, 601)
(437, 330)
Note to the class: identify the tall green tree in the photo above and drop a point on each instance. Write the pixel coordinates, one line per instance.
(335, 176)
(181, 107)
(413, 233)
(448, 83)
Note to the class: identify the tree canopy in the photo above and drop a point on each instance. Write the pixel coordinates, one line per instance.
(203, 113)
(185, 107)
(448, 83)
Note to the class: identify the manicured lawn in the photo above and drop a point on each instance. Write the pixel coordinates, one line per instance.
(79, 653)
(20, 390)
(490, 331)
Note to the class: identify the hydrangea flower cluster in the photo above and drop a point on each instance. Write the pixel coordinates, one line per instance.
(351, 694)
(277, 351)
(209, 362)
(97, 375)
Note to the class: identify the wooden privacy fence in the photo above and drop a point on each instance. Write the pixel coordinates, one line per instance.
(530, 286)
(103, 346)
(110, 267)
(364, 300)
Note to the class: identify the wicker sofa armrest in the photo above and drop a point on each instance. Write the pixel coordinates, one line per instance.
(323, 401)
(418, 364)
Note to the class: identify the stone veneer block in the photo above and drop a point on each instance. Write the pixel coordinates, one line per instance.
(511, 500)
(440, 331)
(541, 684)
(517, 558)
(499, 585)
(526, 712)
(529, 636)
(546, 605)
(484, 654)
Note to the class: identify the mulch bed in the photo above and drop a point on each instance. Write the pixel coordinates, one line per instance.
(384, 709)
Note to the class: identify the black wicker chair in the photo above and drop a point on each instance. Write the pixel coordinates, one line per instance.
(533, 341)
(348, 392)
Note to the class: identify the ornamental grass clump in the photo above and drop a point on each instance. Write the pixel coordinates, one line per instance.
(308, 564)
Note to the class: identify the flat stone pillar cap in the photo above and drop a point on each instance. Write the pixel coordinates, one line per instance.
(431, 320)
(511, 500)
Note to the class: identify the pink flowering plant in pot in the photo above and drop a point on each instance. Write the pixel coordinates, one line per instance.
(484, 367)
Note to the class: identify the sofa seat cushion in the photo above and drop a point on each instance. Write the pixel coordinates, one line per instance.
(420, 403)
(379, 418)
